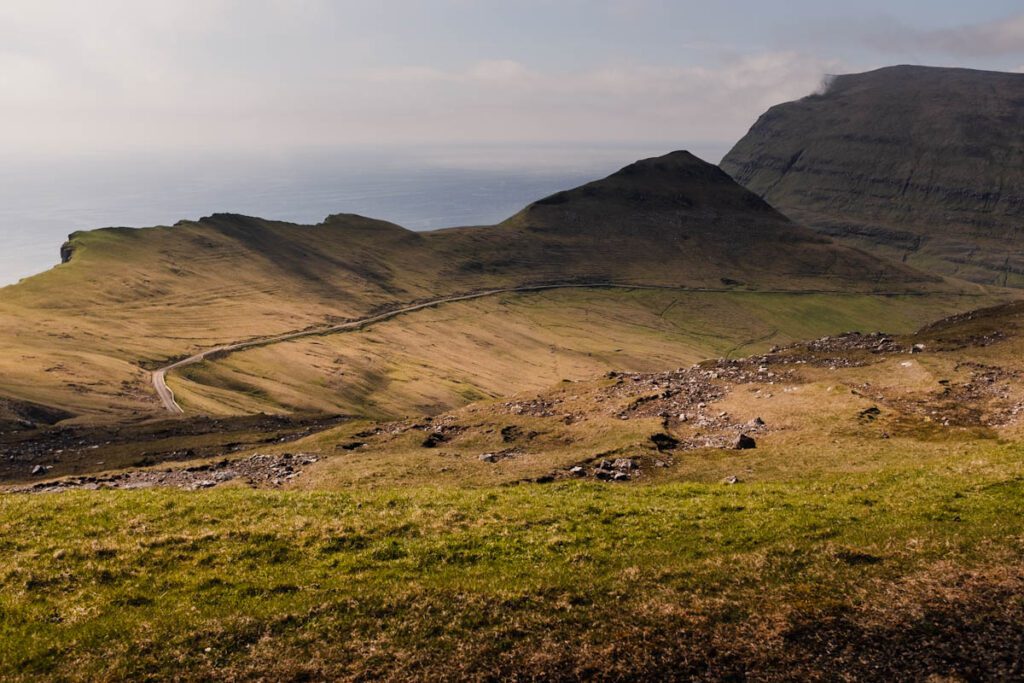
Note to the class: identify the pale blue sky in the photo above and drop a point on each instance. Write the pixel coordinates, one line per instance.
(285, 74)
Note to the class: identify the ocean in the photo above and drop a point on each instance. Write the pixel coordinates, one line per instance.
(42, 200)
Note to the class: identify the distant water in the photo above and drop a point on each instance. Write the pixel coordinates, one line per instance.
(43, 200)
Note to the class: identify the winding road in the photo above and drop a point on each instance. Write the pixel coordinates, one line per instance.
(166, 396)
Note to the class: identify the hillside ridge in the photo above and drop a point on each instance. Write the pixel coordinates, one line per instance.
(128, 300)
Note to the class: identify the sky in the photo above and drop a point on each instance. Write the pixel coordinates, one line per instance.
(142, 75)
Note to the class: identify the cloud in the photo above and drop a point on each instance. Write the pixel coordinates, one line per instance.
(127, 74)
(990, 39)
(498, 100)
(1001, 37)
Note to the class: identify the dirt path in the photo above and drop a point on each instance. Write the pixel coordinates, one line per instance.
(166, 396)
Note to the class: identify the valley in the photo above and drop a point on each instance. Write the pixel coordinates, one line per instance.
(84, 337)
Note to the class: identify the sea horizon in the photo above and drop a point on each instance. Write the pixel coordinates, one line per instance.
(46, 197)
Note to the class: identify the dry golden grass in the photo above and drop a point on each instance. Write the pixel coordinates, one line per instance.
(438, 359)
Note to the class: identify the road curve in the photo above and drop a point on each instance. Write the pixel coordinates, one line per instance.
(166, 396)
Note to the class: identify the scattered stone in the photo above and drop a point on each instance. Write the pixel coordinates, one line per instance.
(500, 455)
(732, 479)
(258, 471)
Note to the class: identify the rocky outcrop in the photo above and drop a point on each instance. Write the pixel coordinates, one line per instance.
(925, 164)
(67, 250)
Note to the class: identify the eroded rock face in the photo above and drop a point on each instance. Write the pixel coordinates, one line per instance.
(66, 252)
(923, 164)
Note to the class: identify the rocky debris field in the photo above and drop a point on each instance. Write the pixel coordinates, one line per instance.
(687, 402)
(257, 471)
(82, 449)
(990, 397)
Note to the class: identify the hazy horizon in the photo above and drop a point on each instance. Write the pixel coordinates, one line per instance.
(418, 187)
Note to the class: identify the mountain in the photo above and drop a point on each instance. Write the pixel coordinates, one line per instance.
(83, 336)
(671, 220)
(917, 163)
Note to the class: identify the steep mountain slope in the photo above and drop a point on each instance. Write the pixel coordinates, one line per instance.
(671, 220)
(924, 164)
(82, 336)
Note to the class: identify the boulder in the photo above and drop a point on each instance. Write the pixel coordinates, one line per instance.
(434, 439)
(744, 443)
(664, 442)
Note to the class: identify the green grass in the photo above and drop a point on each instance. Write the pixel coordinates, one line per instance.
(441, 582)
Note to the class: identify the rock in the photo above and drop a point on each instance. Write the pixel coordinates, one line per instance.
(755, 423)
(744, 443)
(732, 479)
(578, 471)
(869, 414)
(624, 464)
(664, 442)
(917, 348)
(489, 457)
(434, 440)
(620, 476)
(510, 433)
(38, 469)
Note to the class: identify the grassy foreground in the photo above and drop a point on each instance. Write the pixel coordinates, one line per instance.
(783, 579)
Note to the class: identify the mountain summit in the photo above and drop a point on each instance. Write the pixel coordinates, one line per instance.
(673, 219)
(924, 164)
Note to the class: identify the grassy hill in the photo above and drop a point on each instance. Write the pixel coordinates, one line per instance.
(438, 359)
(601, 523)
(912, 163)
(81, 337)
(873, 533)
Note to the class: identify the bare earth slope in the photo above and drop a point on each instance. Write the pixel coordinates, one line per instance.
(83, 336)
(924, 164)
